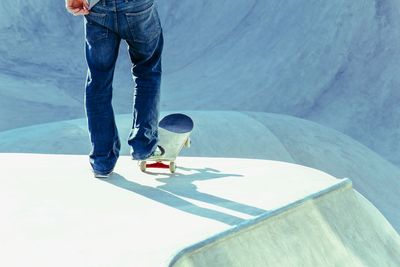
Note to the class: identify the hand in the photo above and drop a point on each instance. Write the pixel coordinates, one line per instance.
(77, 7)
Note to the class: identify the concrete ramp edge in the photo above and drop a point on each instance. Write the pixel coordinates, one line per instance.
(333, 227)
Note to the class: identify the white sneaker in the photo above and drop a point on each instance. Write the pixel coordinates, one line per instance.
(102, 175)
(157, 154)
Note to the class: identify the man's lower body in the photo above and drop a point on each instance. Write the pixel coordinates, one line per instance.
(109, 22)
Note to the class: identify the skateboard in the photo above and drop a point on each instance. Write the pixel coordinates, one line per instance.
(174, 134)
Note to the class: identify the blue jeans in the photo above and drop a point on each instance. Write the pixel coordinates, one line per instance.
(137, 22)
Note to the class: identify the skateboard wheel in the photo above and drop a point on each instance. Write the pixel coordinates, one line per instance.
(143, 166)
(172, 166)
(188, 143)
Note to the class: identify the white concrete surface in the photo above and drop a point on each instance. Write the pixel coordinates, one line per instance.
(54, 213)
(242, 135)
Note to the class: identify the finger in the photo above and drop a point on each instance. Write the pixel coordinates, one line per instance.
(81, 12)
(74, 10)
(85, 11)
(70, 6)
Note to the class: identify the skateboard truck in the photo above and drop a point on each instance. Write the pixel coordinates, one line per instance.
(158, 165)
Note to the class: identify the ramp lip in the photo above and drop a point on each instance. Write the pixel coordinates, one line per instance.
(343, 183)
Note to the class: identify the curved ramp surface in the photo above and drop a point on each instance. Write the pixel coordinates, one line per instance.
(333, 227)
(54, 213)
(334, 62)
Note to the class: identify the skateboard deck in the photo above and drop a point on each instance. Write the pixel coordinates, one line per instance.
(174, 133)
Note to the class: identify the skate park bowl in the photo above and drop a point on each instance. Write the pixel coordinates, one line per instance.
(332, 62)
(290, 99)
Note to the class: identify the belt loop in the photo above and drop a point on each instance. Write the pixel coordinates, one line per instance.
(104, 2)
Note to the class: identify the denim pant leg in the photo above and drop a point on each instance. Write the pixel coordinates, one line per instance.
(101, 54)
(146, 60)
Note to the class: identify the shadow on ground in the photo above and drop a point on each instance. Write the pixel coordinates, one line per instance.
(177, 188)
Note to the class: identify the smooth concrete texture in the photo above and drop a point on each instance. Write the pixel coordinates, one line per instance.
(332, 62)
(54, 213)
(243, 135)
(335, 227)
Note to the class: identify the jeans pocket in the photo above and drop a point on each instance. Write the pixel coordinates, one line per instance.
(94, 26)
(144, 25)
